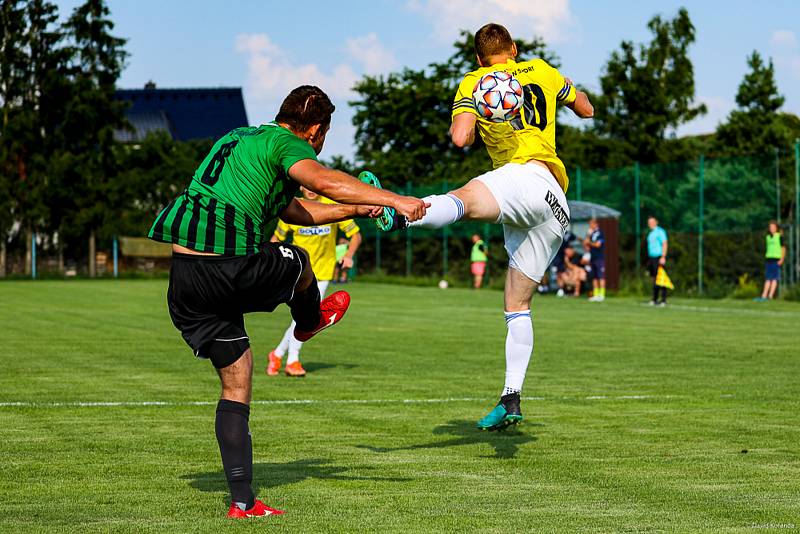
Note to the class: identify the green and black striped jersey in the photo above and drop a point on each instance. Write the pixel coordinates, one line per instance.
(242, 184)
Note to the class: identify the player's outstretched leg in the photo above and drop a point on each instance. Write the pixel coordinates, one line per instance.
(519, 347)
(473, 202)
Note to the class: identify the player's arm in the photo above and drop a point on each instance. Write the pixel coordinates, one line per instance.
(352, 247)
(783, 254)
(305, 213)
(664, 249)
(581, 106)
(464, 115)
(342, 187)
(570, 96)
(462, 131)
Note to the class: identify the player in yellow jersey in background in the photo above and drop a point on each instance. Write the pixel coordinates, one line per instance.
(525, 192)
(320, 243)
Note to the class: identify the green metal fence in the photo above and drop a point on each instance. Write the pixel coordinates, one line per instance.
(715, 210)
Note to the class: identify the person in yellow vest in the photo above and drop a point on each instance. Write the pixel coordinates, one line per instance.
(478, 259)
(320, 243)
(775, 255)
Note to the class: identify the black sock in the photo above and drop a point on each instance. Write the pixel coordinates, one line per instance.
(655, 292)
(305, 307)
(236, 448)
(663, 294)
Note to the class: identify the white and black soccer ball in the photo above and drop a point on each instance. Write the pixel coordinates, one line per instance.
(498, 96)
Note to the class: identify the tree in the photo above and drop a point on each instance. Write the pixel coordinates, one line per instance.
(648, 90)
(402, 120)
(32, 72)
(12, 90)
(754, 127)
(92, 115)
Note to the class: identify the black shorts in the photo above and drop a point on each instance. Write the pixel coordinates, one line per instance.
(209, 295)
(652, 266)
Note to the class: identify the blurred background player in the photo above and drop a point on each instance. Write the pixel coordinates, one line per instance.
(340, 274)
(775, 256)
(320, 244)
(526, 191)
(657, 247)
(596, 242)
(478, 258)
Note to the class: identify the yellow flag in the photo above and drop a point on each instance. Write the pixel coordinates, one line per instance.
(662, 278)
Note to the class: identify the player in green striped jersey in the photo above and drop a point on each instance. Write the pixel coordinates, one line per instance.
(223, 265)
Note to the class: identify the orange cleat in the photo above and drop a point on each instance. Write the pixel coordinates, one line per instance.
(331, 309)
(259, 509)
(295, 369)
(274, 364)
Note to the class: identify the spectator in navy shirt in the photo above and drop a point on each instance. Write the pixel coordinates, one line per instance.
(596, 242)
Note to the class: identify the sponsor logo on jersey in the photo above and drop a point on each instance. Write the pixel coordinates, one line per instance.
(314, 230)
(558, 212)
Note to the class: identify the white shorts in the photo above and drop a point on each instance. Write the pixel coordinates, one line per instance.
(534, 214)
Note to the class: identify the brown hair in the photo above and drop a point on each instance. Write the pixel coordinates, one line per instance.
(491, 40)
(304, 107)
(777, 226)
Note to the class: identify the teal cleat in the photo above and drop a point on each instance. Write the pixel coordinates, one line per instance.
(389, 220)
(504, 415)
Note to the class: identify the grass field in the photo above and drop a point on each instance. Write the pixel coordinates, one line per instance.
(677, 419)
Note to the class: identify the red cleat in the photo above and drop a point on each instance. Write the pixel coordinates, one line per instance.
(331, 309)
(259, 509)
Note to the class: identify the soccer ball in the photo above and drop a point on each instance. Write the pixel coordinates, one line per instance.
(443, 284)
(498, 96)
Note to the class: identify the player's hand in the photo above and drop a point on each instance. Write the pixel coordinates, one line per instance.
(371, 212)
(780, 262)
(347, 262)
(567, 80)
(662, 260)
(411, 208)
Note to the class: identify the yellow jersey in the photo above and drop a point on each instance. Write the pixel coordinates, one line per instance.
(532, 134)
(318, 241)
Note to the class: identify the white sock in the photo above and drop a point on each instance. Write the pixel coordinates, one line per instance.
(283, 346)
(519, 347)
(294, 351)
(444, 210)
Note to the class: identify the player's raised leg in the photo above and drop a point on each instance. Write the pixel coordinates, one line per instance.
(310, 315)
(519, 347)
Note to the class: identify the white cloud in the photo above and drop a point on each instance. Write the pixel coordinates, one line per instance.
(371, 54)
(787, 53)
(271, 74)
(549, 19)
(784, 39)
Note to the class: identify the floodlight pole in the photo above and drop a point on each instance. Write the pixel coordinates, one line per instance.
(700, 227)
(797, 209)
(638, 207)
(33, 255)
(115, 253)
(777, 186)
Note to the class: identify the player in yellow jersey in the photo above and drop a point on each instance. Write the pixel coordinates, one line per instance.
(525, 192)
(320, 243)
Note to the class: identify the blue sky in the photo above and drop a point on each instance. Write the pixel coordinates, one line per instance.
(268, 47)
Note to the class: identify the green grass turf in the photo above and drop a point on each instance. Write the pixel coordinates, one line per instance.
(642, 423)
